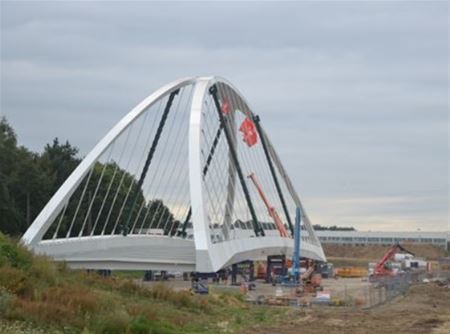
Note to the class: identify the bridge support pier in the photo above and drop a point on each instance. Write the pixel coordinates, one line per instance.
(246, 269)
(274, 262)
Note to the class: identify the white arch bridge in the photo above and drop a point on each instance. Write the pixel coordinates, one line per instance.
(169, 188)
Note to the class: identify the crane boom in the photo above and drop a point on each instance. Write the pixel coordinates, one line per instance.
(271, 210)
(379, 269)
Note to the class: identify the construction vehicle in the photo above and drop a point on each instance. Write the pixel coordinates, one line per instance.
(260, 270)
(382, 268)
(246, 270)
(297, 239)
(326, 269)
(199, 282)
(276, 269)
(271, 210)
(310, 281)
(351, 272)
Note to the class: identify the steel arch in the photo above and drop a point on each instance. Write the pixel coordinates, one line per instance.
(132, 251)
(43, 221)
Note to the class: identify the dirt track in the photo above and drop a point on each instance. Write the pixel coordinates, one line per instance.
(425, 309)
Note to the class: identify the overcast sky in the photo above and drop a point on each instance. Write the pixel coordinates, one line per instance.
(354, 95)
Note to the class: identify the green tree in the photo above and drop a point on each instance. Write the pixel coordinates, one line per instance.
(27, 179)
(102, 203)
(58, 161)
(22, 186)
(9, 215)
(107, 200)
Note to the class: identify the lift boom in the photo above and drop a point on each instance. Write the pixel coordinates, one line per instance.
(271, 210)
(380, 269)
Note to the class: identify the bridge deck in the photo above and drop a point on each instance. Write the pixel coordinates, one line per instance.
(153, 252)
(133, 252)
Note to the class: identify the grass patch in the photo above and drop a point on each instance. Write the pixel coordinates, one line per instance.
(46, 297)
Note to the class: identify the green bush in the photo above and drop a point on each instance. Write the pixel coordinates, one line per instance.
(6, 299)
(143, 325)
(35, 290)
(44, 270)
(179, 298)
(13, 255)
(113, 323)
(140, 325)
(15, 281)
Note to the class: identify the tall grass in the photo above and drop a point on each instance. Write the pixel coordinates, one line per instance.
(35, 290)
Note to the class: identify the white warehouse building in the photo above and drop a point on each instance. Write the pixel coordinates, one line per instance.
(358, 238)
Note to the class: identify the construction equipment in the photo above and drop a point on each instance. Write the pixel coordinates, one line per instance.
(326, 269)
(276, 269)
(382, 269)
(297, 239)
(245, 269)
(271, 210)
(199, 282)
(351, 272)
(283, 278)
(261, 270)
(310, 280)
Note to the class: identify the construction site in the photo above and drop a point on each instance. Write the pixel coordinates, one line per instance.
(224, 167)
(367, 289)
(229, 222)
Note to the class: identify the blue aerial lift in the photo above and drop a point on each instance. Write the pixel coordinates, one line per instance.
(296, 255)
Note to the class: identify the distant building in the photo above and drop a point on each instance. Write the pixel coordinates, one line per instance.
(357, 238)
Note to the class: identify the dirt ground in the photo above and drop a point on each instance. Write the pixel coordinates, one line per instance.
(375, 252)
(424, 309)
(337, 287)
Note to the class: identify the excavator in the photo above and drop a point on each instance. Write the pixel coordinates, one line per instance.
(382, 269)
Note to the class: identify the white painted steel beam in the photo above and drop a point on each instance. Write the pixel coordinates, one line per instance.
(43, 221)
(144, 252)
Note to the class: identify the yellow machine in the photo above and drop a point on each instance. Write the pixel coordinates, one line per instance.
(349, 272)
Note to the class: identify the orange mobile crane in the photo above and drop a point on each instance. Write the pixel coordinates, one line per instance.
(381, 269)
(272, 212)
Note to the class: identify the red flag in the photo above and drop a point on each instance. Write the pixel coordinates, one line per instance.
(248, 130)
(225, 107)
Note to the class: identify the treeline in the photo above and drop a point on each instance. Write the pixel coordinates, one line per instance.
(28, 179)
(108, 199)
(332, 228)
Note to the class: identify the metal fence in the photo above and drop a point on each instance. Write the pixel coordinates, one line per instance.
(377, 292)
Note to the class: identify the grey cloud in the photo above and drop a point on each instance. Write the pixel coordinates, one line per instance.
(354, 95)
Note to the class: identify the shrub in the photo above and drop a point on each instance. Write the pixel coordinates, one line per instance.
(161, 292)
(140, 325)
(44, 270)
(260, 315)
(6, 299)
(15, 281)
(13, 255)
(179, 298)
(45, 313)
(77, 298)
(142, 310)
(113, 323)
(128, 286)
